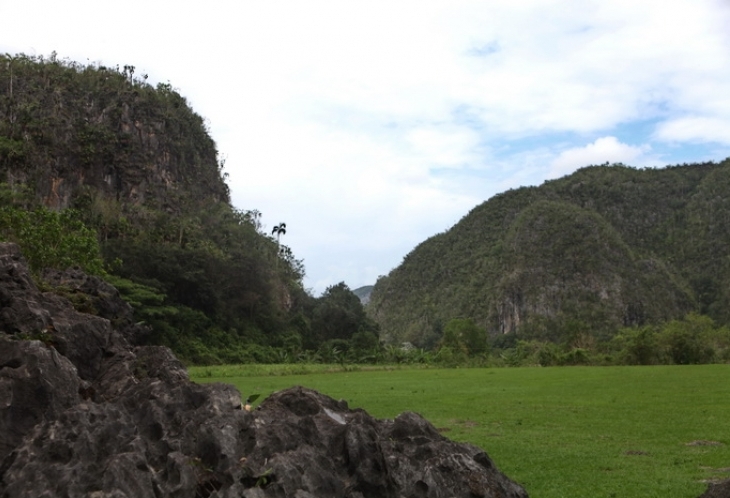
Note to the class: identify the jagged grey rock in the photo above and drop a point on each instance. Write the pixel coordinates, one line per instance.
(99, 298)
(85, 414)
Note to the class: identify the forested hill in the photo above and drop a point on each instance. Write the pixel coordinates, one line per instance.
(603, 248)
(69, 130)
(101, 170)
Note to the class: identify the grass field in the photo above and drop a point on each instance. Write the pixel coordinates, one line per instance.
(570, 432)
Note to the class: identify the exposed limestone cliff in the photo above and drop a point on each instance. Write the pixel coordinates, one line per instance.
(68, 130)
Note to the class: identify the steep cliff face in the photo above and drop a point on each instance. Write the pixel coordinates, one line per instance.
(564, 259)
(68, 130)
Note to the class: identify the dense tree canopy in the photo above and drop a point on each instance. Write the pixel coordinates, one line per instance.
(606, 247)
(340, 314)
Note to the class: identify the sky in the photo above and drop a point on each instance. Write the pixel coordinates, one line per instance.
(368, 126)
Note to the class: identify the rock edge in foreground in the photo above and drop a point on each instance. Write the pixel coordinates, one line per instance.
(85, 413)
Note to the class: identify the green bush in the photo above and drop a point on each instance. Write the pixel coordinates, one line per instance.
(462, 334)
(52, 239)
(689, 341)
(638, 345)
(576, 356)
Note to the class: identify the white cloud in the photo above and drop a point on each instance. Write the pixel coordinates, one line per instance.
(443, 146)
(695, 129)
(606, 149)
(369, 126)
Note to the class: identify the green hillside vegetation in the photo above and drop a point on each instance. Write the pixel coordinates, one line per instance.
(101, 170)
(575, 262)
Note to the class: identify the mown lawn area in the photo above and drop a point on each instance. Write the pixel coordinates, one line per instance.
(562, 432)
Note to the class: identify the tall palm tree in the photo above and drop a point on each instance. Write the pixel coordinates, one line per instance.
(279, 230)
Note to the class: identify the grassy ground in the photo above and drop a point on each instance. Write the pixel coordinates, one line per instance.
(560, 432)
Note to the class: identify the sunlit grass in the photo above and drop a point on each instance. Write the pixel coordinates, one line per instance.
(566, 432)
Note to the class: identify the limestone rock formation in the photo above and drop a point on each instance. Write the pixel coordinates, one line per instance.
(83, 413)
(717, 490)
(92, 132)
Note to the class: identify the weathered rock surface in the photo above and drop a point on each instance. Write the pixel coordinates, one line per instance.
(97, 297)
(85, 414)
(717, 490)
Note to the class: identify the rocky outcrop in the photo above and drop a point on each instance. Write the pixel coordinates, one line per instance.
(85, 413)
(717, 490)
(90, 294)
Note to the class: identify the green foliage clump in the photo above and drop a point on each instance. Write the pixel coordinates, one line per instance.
(463, 336)
(339, 314)
(694, 339)
(51, 239)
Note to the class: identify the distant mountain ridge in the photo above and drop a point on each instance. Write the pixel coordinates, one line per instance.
(364, 293)
(606, 247)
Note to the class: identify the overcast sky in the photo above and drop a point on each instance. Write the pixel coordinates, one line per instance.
(368, 126)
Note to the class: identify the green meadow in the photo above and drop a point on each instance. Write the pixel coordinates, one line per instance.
(561, 432)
